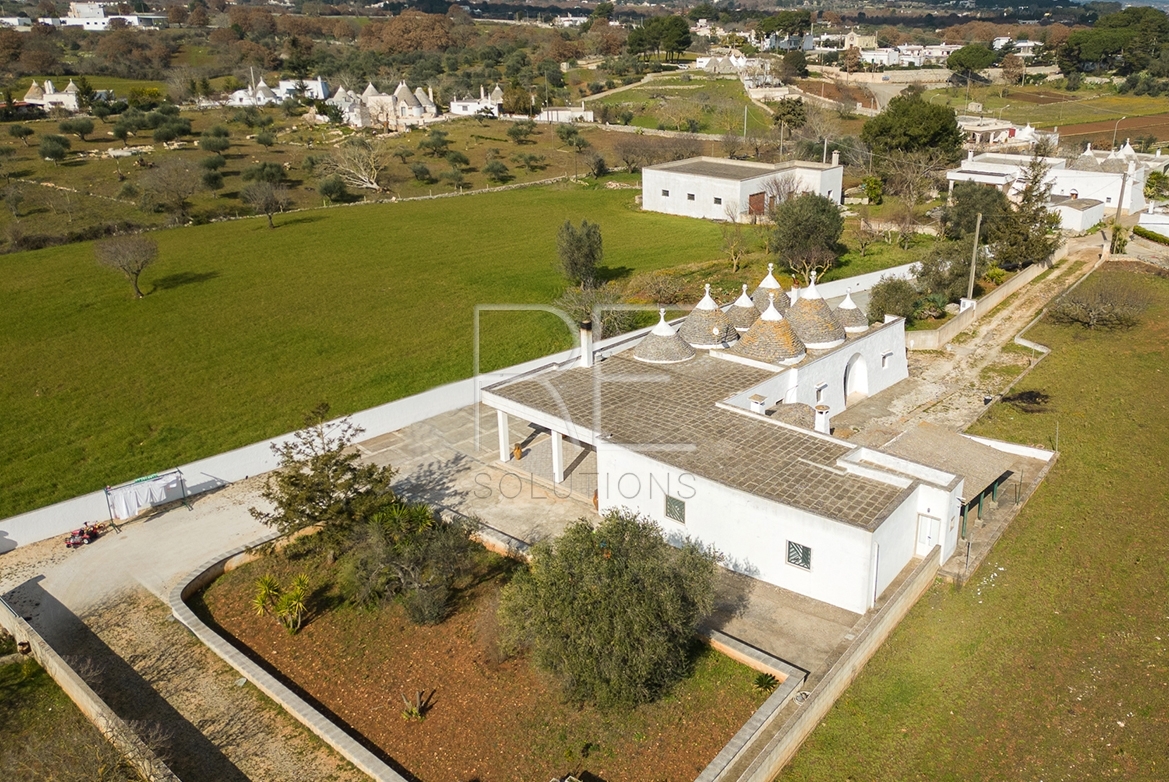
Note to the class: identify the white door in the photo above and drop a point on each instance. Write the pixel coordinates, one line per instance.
(926, 532)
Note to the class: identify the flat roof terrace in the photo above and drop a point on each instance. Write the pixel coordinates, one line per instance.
(735, 170)
(669, 413)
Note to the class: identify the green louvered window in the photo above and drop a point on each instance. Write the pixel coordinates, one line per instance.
(800, 556)
(675, 509)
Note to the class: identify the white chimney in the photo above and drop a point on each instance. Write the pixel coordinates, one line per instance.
(758, 403)
(822, 423)
(836, 157)
(970, 155)
(586, 344)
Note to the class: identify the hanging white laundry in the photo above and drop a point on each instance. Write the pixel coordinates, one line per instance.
(127, 501)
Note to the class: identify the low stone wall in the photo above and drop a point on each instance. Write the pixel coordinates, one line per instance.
(117, 732)
(784, 744)
(936, 339)
(330, 733)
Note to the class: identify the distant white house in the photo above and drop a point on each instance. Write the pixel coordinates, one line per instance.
(1077, 214)
(313, 89)
(469, 107)
(97, 17)
(565, 114)
(1024, 49)
(570, 21)
(48, 98)
(722, 189)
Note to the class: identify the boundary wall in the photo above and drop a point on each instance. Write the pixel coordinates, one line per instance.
(301, 710)
(936, 339)
(117, 732)
(782, 745)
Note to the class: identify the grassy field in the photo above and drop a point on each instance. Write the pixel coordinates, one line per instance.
(46, 737)
(667, 103)
(91, 189)
(1053, 663)
(244, 329)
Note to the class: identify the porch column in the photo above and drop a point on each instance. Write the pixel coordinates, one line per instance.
(504, 445)
(557, 457)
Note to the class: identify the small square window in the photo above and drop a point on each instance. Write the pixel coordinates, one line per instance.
(665, 194)
(675, 509)
(820, 391)
(885, 360)
(1107, 200)
(717, 201)
(800, 556)
(689, 196)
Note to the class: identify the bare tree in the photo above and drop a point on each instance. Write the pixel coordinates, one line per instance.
(913, 175)
(735, 241)
(732, 142)
(360, 163)
(266, 198)
(130, 255)
(632, 152)
(168, 185)
(779, 189)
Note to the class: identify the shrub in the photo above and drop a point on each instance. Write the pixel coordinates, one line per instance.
(1108, 301)
(273, 173)
(892, 296)
(611, 612)
(333, 188)
(1152, 236)
(420, 172)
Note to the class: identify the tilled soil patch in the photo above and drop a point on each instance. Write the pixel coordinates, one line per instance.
(489, 720)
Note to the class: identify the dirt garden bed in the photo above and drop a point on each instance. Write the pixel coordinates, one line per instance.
(490, 720)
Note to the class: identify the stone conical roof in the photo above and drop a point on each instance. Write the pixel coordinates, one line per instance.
(403, 94)
(34, 92)
(743, 312)
(1114, 164)
(71, 89)
(770, 285)
(663, 345)
(850, 316)
(264, 91)
(497, 94)
(370, 91)
(812, 320)
(707, 326)
(771, 339)
(423, 99)
(1085, 162)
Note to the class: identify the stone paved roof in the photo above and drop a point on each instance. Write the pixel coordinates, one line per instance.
(663, 345)
(795, 413)
(668, 412)
(771, 340)
(948, 451)
(707, 326)
(850, 316)
(743, 312)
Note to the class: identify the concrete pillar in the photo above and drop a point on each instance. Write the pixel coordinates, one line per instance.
(504, 436)
(557, 458)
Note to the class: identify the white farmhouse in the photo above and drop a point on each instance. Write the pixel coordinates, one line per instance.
(48, 98)
(721, 189)
(1076, 214)
(469, 107)
(719, 430)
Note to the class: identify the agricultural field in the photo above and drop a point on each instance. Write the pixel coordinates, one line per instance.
(244, 329)
(688, 102)
(490, 717)
(1053, 661)
(1045, 107)
(89, 189)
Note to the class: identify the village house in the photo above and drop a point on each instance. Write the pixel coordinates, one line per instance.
(399, 110)
(490, 104)
(724, 189)
(718, 428)
(48, 98)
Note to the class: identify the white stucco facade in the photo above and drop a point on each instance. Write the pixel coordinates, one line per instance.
(721, 189)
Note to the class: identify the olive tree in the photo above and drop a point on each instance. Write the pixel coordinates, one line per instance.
(580, 251)
(806, 233)
(612, 612)
(130, 255)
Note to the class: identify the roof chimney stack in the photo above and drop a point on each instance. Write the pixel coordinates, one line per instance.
(822, 422)
(586, 344)
(836, 157)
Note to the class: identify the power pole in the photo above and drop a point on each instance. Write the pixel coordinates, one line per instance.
(744, 122)
(1116, 229)
(974, 256)
(824, 159)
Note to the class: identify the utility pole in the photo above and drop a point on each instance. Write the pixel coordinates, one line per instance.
(1116, 229)
(824, 159)
(744, 122)
(974, 256)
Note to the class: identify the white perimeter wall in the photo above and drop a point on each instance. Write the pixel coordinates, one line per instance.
(751, 532)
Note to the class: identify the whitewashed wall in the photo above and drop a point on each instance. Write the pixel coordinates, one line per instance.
(679, 185)
(751, 532)
(829, 370)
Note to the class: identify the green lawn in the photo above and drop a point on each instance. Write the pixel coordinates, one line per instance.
(46, 737)
(1085, 105)
(244, 328)
(1053, 662)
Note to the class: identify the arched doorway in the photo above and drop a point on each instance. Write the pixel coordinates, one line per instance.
(856, 380)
